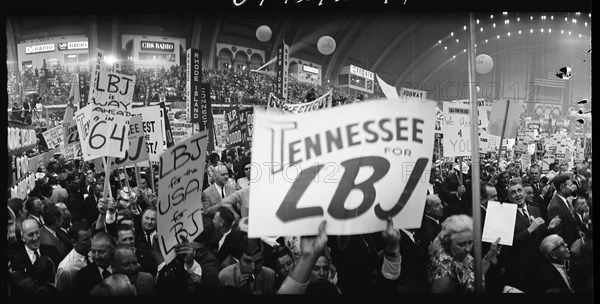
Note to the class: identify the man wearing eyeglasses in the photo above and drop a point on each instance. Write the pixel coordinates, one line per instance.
(553, 273)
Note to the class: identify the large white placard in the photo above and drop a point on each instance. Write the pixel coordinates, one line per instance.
(181, 176)
(499, 223)
(354, 171)
(457, 129)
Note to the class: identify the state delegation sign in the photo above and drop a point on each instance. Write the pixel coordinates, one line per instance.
(354, 171)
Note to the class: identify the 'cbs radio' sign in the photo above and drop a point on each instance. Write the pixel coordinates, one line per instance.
(78, 45)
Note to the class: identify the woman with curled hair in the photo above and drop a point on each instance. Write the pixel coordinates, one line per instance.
(451, 265)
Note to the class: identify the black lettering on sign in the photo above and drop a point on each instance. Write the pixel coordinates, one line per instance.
(415, 175)
(287, 211)
(380, 168)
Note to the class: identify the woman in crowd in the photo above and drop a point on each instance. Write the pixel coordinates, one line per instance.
(451, 266)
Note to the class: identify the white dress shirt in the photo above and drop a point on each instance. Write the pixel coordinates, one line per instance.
(31, 254)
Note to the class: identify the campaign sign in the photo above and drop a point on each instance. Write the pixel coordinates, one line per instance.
(137, 151)
(246, 127)
(233, 123)
(54, 137)
(113, 92)
(354, 171)
(181, 176)
(101, 133)
(154, 129)
(457, 129)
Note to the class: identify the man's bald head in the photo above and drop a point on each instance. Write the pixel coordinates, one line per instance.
(433, 206)
(30, 234)
(221, 175)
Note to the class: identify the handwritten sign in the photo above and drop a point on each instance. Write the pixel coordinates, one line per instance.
(354, 171)
(101, 133)
(457, 129)
(181, 176)
(154, 129)
(113, 92)
(137, 151)
(54, 137)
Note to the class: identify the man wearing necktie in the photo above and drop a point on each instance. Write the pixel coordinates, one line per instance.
(32, 248)
(102, 251)
(522, 258)
(534, 179)
(219, 190)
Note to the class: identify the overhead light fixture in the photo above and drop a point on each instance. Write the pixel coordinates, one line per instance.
(583, 101)
(451, 33)
(508, 34)
(519, 32)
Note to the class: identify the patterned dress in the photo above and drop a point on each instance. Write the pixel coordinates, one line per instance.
(462, 272)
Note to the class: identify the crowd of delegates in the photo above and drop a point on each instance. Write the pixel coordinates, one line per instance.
(70, 238)
(53, 84)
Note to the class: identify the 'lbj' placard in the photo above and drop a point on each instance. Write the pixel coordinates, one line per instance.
(180, 184)
(354, 171)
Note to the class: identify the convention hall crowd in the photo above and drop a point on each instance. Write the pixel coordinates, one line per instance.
(67, 238)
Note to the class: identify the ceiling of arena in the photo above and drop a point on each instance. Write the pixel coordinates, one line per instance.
(402, 48)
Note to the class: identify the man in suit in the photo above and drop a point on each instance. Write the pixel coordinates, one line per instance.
(35, 210)
(222, 222)
(125, 235)
(31, 249)
(413, 267)
(51, 234)
(522, 258)
(145, 230)
(560, 206)
(219, 190)
(553, 275)
(89, 210)
(102, 251)
(533, 176)
(430, 226)
(125, 262)
(581, 215)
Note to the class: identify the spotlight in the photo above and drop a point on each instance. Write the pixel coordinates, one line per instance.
(583, 101)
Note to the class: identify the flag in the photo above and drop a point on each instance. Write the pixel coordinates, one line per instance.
(550, 80)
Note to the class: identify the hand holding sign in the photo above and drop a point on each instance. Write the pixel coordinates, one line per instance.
(314, 245)
(391, 238)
